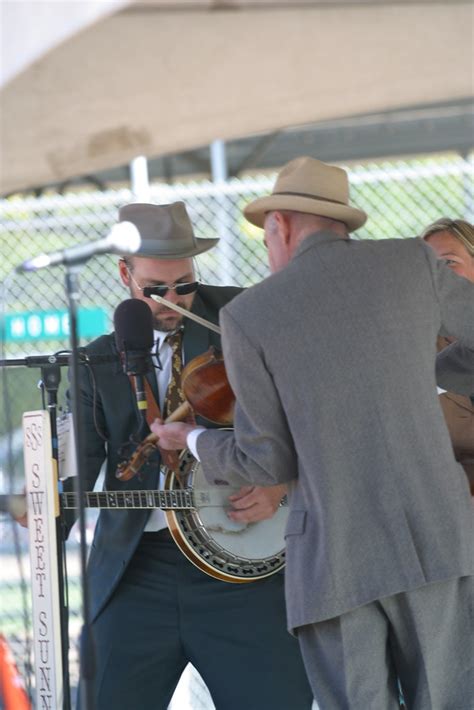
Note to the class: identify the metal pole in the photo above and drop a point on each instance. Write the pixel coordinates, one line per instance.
(87, 661)
(218, 161)
(467, 185)
(140, 183)
(219, 173)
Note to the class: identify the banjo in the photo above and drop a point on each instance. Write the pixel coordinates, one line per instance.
(220, 547)
(196, 517)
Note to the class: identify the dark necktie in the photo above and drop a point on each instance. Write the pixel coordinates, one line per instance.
(174, 394)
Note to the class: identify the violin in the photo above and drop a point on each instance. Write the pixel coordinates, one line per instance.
(208, 394)
(207, 390)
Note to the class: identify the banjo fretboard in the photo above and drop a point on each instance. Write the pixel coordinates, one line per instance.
(166, 500)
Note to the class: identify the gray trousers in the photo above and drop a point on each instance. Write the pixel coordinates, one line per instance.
(424, 639)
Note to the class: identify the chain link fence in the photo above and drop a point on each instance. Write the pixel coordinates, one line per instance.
(400, 196)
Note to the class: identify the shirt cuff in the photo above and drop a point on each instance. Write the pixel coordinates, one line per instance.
(191, 440)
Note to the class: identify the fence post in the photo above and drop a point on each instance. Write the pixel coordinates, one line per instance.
(223, 217)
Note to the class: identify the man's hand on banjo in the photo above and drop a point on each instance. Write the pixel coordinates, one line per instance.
(254, 503)
(250, 503)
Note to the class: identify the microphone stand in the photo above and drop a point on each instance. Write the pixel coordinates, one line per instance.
(49, 383)
(123, 238)
(87, 642)
(61, 360)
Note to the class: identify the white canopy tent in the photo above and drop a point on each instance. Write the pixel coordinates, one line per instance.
(104, 82)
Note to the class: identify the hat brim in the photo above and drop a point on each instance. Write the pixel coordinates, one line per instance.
(154, 249)
(255, 211)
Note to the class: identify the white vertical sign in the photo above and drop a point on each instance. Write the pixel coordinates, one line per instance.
(43, 507)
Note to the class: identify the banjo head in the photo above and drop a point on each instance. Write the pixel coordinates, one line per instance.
(231, 551)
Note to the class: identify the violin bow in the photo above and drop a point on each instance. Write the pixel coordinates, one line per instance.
(187, 314)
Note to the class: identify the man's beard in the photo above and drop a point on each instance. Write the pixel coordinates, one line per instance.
(166, 324)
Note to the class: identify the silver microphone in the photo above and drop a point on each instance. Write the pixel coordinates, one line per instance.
(123, 238)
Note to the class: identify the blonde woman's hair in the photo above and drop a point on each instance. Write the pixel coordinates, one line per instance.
(459, 228)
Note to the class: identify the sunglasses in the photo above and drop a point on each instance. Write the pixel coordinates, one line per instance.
(181, 289)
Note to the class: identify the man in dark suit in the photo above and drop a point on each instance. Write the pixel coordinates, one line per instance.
(152, 610)
(334, 377)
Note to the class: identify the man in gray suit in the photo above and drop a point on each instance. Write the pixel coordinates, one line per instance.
(332, 361)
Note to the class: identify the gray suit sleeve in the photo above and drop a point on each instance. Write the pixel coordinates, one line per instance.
(455, 294)
(455, 369)
(261, 450)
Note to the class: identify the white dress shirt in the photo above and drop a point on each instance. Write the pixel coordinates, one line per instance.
(157, 519)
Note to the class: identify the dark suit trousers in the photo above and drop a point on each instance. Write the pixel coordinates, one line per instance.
(165, 612)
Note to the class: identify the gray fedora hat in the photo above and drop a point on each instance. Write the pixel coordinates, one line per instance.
(166, 230)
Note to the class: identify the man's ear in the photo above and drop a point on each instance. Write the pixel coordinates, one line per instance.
(123, 273)
(282, 223)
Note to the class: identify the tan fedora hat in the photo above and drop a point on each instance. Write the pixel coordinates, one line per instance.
(166, 230)
(308, 185)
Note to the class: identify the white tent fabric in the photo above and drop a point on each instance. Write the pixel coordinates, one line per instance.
(30, 29)
(163, 76)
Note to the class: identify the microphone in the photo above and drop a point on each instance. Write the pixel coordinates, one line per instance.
(133, 322)
(123, 238)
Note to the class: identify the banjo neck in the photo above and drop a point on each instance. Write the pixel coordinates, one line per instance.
(132, 500)
(178, 499)
(197, 521)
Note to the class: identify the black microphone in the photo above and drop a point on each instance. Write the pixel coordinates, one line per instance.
(123, 238)
(133, 322)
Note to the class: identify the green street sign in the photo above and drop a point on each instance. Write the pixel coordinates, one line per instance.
(52, 325)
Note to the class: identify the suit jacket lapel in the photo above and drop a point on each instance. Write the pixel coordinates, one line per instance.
(196, 339)
(460, 400)
(151, 379)
(116, 365)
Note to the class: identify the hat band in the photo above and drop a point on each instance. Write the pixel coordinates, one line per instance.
(318, 198)
(171, 243)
